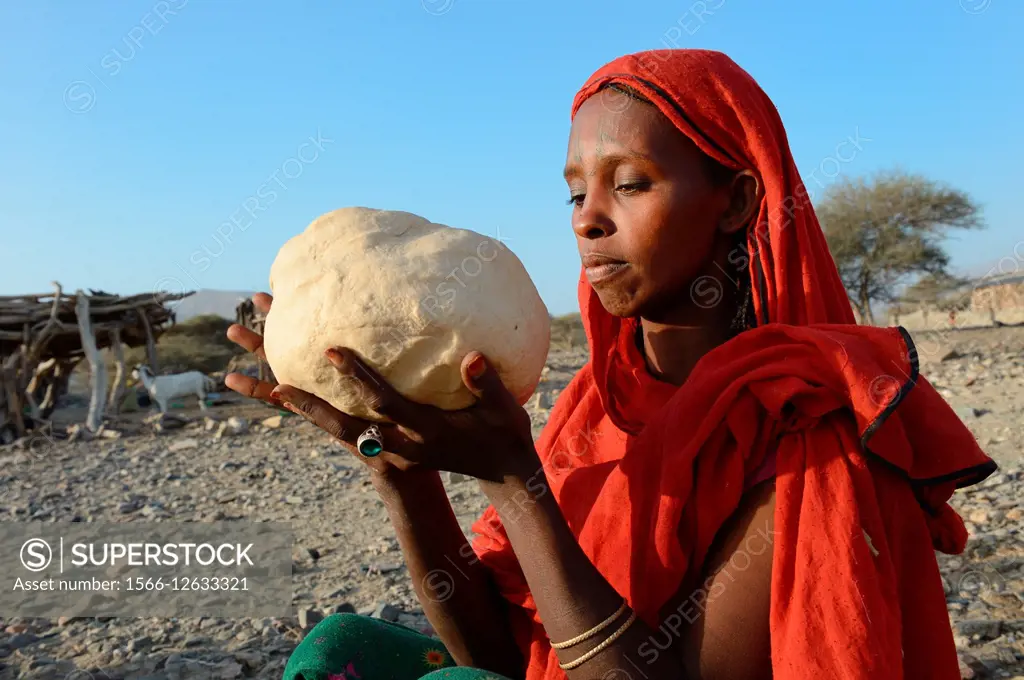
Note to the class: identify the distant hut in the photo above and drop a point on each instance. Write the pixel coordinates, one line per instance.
(43, 337)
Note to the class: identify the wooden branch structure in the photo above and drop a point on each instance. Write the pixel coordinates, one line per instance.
(43, 337)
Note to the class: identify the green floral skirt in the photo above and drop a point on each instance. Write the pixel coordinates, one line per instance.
(352, 647)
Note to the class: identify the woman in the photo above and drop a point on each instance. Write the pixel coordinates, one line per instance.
(740, 483)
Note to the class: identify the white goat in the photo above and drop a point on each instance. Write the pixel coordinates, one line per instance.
(163, 388)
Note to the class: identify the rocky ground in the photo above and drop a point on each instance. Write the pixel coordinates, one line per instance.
(346, 557)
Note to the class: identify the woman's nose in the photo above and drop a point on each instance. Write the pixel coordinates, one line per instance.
(591, 223)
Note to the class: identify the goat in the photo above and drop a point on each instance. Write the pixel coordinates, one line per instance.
(163, 388)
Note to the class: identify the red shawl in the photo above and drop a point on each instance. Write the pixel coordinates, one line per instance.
(867, 452)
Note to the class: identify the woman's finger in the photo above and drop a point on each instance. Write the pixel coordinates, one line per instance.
(262, 302)
(485, 383)
(378, 394)
(346, 428)
(250, 387)
(248, 339)
(329, 419)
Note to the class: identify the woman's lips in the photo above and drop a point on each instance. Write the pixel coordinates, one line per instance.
(599, 273)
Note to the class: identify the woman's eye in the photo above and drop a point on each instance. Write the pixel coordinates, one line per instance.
(576, 200)
(630, 188)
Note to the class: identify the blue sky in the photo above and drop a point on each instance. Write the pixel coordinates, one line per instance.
(132, 131)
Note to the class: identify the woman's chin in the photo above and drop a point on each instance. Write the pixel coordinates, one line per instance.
(619, 304)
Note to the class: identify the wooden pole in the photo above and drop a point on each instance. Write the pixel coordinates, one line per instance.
(5, 412)
(54, 389)
(8, 373)
(27, 371)
(150, 343)
(97, 370)
(41, 376)
(117, 391)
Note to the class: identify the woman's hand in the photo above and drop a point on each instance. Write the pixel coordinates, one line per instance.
(489, 440)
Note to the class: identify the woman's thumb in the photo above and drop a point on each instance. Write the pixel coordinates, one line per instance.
(481, 378)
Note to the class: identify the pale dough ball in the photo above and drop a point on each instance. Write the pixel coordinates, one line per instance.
(409, 296)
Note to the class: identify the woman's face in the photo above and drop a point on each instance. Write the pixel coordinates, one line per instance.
(645, 210)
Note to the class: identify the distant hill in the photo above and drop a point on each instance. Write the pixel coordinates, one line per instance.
(206, 302)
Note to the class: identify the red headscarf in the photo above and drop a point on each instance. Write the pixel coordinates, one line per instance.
(867, 452)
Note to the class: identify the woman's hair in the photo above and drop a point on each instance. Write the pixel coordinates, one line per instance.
(719, 176)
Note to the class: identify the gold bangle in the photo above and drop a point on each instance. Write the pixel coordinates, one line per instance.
(593, 631)
(601, 647)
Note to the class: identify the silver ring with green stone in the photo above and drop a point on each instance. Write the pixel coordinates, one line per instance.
(370, 442)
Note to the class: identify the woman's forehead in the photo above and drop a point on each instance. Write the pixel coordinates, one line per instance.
(604, 125)
(595, 123)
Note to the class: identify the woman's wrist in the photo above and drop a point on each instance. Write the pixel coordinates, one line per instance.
(522, 477)
(525, 503)
(392, 480)
(523, 474)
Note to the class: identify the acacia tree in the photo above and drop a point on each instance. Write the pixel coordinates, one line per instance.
(941, 290)
(888, 228)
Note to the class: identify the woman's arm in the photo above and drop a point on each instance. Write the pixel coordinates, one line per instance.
(457, 595)
(721, 633)
(725, 615)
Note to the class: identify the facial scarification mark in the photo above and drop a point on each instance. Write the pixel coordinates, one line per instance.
(577, 149)
(607, 135)
(609, 125)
